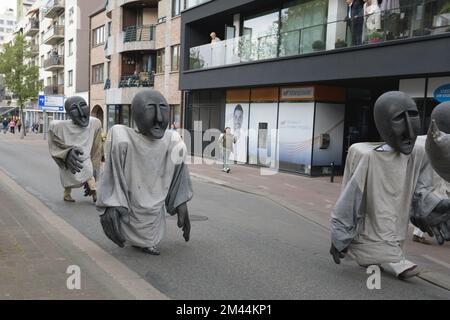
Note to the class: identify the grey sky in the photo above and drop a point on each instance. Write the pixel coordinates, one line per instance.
(8, 4)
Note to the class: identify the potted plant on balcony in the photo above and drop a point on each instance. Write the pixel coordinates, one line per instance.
(375, 37)
(442, 19)
(340, 44)
(318, 45)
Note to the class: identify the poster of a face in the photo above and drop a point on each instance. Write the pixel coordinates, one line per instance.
(236, 118)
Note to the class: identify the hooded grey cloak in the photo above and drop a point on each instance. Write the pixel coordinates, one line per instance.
(63, 136)
(371, 217)
(146, 176)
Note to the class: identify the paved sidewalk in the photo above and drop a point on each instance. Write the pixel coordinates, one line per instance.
(36, 250)
(314, 199)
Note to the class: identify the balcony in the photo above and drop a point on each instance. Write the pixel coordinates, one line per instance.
(53, 9)
(31, 28)
(34, 49)
(54, 63)
(54, 90)
(54, 35)
(138, 38)
(109, 7)
(393, 26)
(128, 87)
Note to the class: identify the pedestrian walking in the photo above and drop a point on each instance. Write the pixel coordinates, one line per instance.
(19, 125)
(12, 126)
(227, 141)
(5, 124)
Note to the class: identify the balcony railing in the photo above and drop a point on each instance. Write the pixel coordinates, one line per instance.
(54, 35)
(144, 80)
(54, 62)
(53, 8)
(139, 33)
(34, 49)
(54, 90)
(32, 27)
(405, 22)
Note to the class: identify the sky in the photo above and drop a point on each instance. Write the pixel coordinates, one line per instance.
(8, 4)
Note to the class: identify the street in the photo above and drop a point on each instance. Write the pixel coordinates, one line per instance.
(242, 245)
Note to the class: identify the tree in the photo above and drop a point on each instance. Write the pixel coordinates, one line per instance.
(20, 75)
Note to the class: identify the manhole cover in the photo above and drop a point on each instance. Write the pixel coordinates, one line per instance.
(193, 218)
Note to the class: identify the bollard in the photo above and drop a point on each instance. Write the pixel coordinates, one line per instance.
(332, 172)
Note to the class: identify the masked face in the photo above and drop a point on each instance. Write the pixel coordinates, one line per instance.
(78, 111)
(397, 120)
(151, 113)
(441, 115)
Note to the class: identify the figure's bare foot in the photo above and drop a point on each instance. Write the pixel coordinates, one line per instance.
(154, 251)
(421, 240)
(409, 273)
(68, 199)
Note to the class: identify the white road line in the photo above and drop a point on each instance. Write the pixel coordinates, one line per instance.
(290, 186)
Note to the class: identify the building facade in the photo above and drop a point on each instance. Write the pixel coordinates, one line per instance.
(141, 42)
(297, 80)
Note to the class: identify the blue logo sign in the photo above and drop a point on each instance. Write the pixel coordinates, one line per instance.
(41, 101)
(442, 94)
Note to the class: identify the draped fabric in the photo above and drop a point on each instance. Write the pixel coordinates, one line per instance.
(379, 187)
(64, 135)
(146, 176)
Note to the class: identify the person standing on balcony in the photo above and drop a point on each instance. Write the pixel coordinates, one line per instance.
(214, 38)
(355, 20)
(372, 17)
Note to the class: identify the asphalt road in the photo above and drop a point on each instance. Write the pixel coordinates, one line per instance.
(242, 246)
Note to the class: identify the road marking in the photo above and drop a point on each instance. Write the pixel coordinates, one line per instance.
(263, 187)
(127, 278)
(290, 186)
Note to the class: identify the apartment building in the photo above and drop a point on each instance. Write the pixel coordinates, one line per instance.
(7, 25)
(141, 50)
(297, 80)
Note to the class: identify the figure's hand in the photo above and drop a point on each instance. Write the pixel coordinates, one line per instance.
(337, 255)
(110, 221)
(183, 221)
(438, 224)
(74, 163)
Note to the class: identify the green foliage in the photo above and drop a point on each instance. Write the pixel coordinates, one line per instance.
(445, 8)
(318, 45)
(21, 78)
(375, 36)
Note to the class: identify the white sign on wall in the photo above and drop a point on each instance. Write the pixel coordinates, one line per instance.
(297, 93)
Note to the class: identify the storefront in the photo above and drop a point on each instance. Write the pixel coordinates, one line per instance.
(427, 93)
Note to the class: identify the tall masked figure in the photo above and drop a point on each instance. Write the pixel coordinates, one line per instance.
(144, 178)
(76, 147)
(437, 144)
(380, 184)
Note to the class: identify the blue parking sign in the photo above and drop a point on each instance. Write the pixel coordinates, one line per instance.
(41, 101)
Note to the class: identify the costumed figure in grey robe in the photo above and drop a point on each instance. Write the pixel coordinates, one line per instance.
(76, 147)
(380, 184)
(438, 150)
(144, 177)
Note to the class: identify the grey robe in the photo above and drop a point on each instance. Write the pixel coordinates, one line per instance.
(371, 217)
(64, 135)
(146, 176)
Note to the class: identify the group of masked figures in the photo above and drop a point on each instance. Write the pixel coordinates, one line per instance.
(385, 185)
(144, 175)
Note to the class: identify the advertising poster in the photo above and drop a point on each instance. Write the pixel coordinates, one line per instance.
(330, 122)
(295, 136)
(236, 117)
(262, 137)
